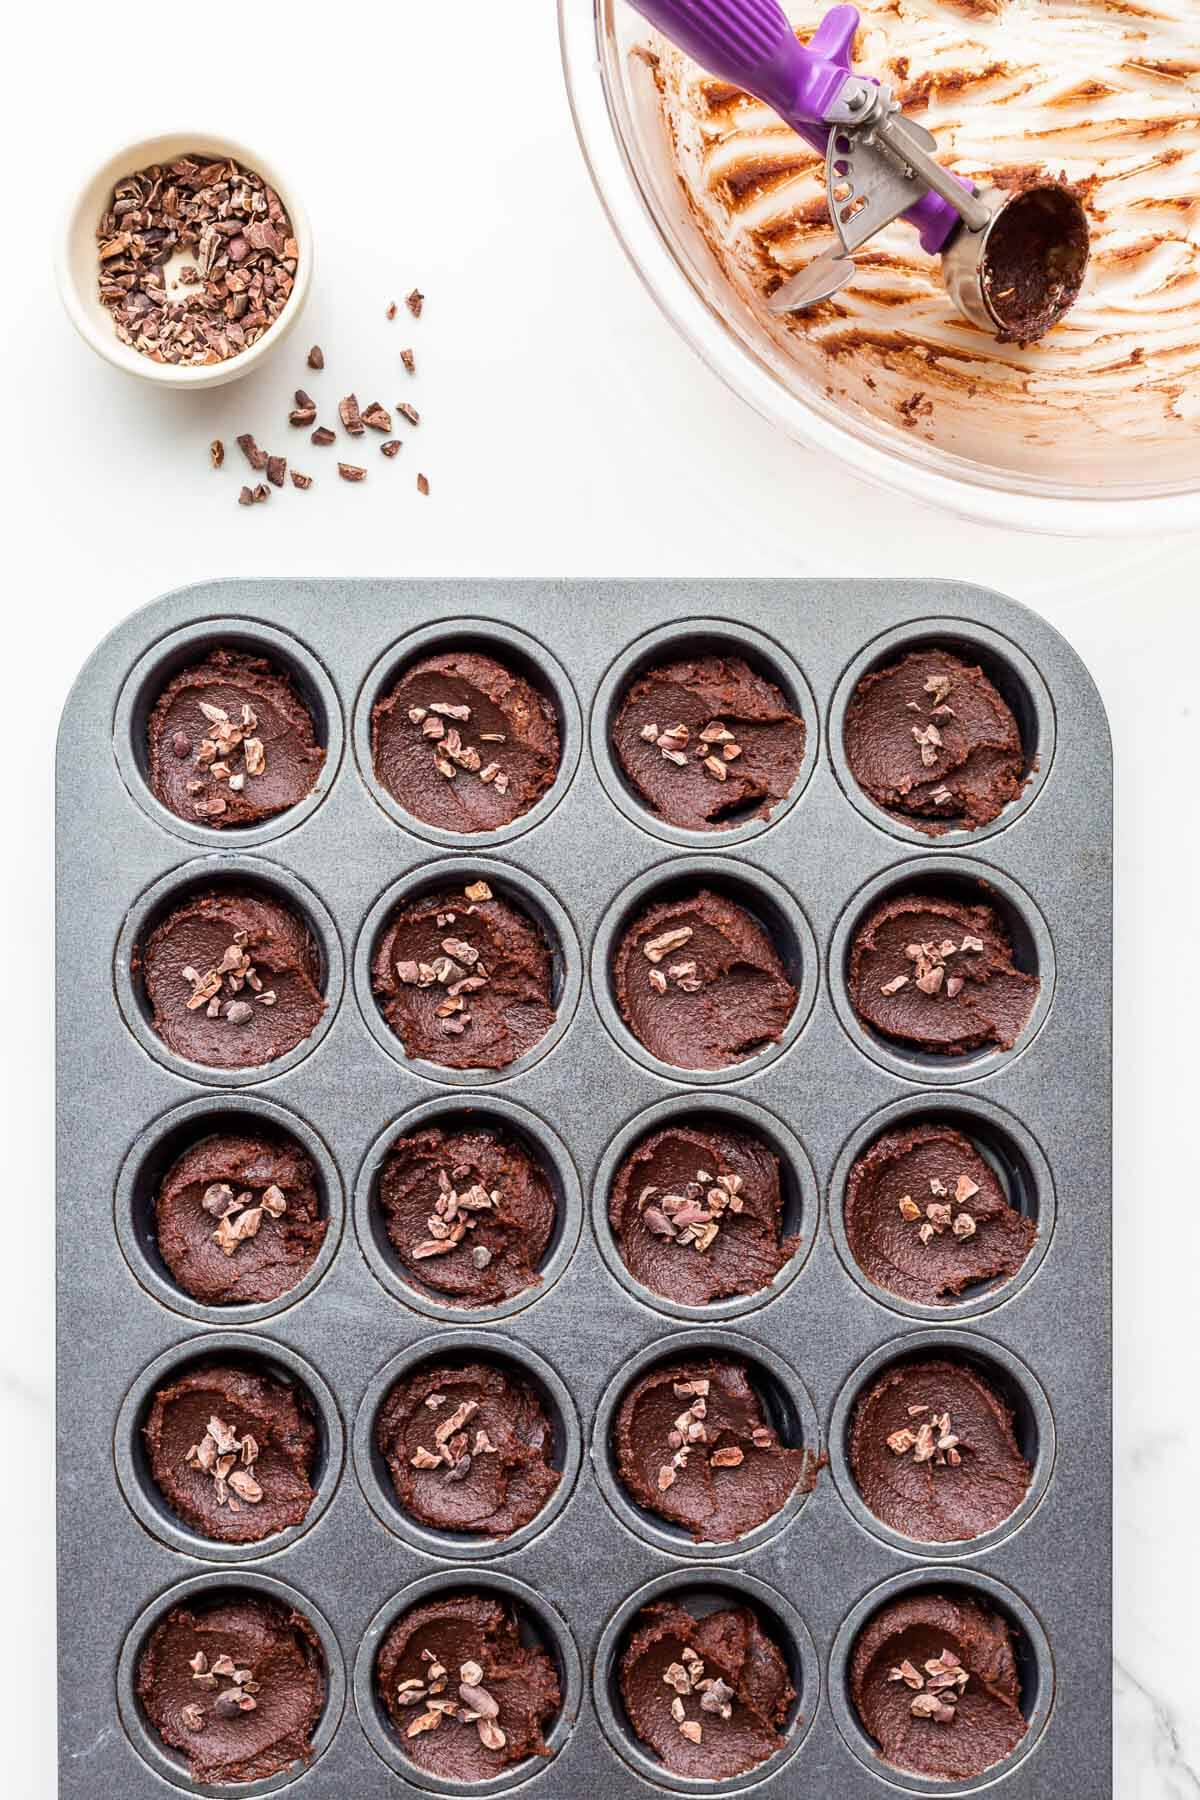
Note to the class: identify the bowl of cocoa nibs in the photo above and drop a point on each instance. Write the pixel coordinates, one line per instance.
(185, 259)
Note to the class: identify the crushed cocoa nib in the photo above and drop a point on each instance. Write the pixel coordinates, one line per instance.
(409, 361)
(377, 417)
(316, 357)
(262, 492)
(246, 497)
(350, 416)
(277, 470)
(301, 481)
(350, 472)
(302, 413)
(391, 311)
(233, 226)
(422, 484)
(216, 453)
(391, 448)
(415, 302)
(254, 456)
(323, 435)
(410, 412)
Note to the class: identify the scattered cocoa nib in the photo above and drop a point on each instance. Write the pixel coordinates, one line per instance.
(316, 357)
(254, 456)
(350, 416)
(414, 302)
(422, 484)
(377, 417)
(302, 415)
(323, 435)
(409, 361)
(391, 448)
(350, 472)
(246, 497)
(216, 453)
(301, 481)
(235, 229)
(261, 492)
(391, 311)
(277, 470)
(410, 412)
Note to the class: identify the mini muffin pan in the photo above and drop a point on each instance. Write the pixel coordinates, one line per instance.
(581, 862)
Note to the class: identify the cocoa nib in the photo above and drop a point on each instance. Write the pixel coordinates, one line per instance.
(410, 412)
(415, 302)
(350, 416)
(276, 470)
(241, 267)
(391, 448)
(323, 435)
(349, 472)
(316, 357)
(301, 481)
(216, 453)
(254, 456)
(409, 361)
(422, 484)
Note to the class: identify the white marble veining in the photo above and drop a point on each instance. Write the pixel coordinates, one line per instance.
(565, 430)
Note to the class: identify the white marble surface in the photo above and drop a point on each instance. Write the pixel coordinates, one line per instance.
(566, 431)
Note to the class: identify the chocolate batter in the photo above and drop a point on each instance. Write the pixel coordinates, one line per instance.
(238, 1218)
(464, 979)
(469, 1213)
(468, 1447)
(697, 1213)
(231, 1450)
(692, 1445)
(933, 1452)
(927, 1219)
(933, 1677)
(1035, 260)
(938, 975)
(231, 742)
(232, 976)
(464, 743)
(707, 742)
(929, 739)
(466, 1695)
(700, 984)
(710, 1696)
(236, 1683)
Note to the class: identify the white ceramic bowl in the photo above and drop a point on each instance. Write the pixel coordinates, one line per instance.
(76, 262)
(617, 116)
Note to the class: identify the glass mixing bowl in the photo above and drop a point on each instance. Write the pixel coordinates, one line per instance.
(1115, 486)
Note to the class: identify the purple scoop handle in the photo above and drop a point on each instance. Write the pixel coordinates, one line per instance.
(751, 44)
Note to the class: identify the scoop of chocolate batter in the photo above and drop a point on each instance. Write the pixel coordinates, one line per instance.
(231, 742)
(468, 1447)
(231, 1450)
(495, 1692)
(933, 1452)
(464, 743)
(929, 739)
(709, 1695)
(469, 1213)
(697, 1213)
(707, 742)
(926, 1217)
(236, 1683)
(694, 1446)
(938, 974)
(464, 978)
(699, 983)
(933, 1677)
(233, 978)
(238, 1218)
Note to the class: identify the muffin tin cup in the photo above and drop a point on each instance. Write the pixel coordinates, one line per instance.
(1016, 1158)
(1034, 1429)
(1034, 1656)
(731, 1587)
(787, 1404)
(177, 651)
(507, 882)
(801, 1208)
(167, 1764)
(517, 651)
(152, 1155)
(157, 900)
(578, 1102)
(375, 1478)
(505, 1116)
(1010, 671)
(551, 1627)
(133, 1465)
(976, 883)
(756, 892)
(667, 644)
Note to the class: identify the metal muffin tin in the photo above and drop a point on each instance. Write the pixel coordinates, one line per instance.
(580, 860)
